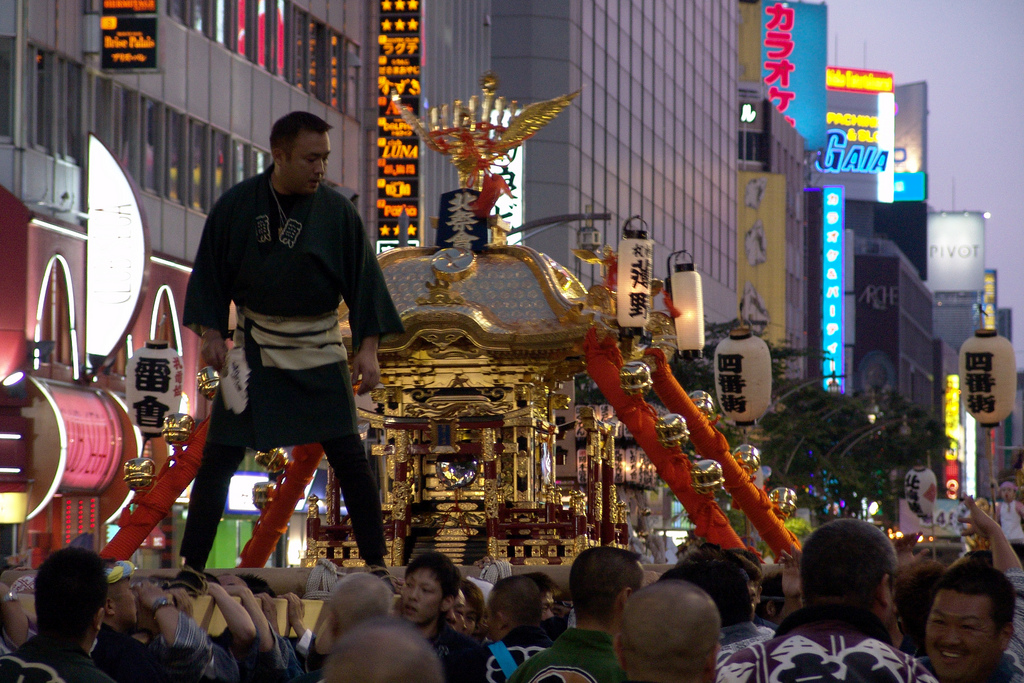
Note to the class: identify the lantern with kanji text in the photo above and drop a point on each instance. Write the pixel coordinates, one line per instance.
(920, 489)
(634, 276)
(153, 384)
(988, 377)
(743, 376)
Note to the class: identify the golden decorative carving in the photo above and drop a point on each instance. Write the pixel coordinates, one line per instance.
(440, 294)
(491, 498)
(313, 512)
(535, 561)
(402, 492)
(598, 512)
(470, 139)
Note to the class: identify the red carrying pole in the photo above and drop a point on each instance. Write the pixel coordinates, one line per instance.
(603, 364)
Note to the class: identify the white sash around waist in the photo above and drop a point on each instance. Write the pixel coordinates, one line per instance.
(299, 343)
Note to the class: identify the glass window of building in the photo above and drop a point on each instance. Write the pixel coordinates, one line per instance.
(7, 86)
(72, 126)
(42, 119)
(220, 154)
(299, 53)
(177, 9)
(151, 145)
(337, 59)
(280, 28)
(317, 66)
(126, 126)
(352, 64)
(240, 161)
(103, 108)
(260, 161)
(198, 193)
(175, 156)
(222, 16)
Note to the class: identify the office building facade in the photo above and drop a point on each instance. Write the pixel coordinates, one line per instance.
(653, 132)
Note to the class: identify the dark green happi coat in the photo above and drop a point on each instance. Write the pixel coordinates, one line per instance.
(244, 258)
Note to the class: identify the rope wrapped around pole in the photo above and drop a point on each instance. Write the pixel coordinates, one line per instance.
(711, 443)
(274, 517)
(603, 364)
(148, 507)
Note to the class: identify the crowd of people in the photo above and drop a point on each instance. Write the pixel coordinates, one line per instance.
(849, 606)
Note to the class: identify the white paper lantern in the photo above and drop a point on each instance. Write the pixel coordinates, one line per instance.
(688, 300)
(988, 377)
(635, 269)
(743, 376)
(153, 385)
(920, 489)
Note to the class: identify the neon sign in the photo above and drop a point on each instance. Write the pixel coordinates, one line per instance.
(748, 114)
(841, 157)
(858, 80)
(833, 286)
(398, 170)
(792, 61)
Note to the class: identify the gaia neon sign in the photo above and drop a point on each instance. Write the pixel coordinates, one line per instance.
(841, 157)
(833, 285)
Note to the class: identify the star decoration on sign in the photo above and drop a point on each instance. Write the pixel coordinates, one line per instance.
(399, 25)
(385, 6)
(385, 26)
(400, 5)
(413, 25)
(413, 5)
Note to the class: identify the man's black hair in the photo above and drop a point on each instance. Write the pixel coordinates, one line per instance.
(288, 127)
(724, 581)
(597, 577)
(747, 561)
(518, 597)
(544, 582)
(846, 560)
(977, 578)
(257, 584)
(71, 587)
(445, 571)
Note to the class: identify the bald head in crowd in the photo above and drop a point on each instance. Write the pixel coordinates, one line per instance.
(383, 650)
(514, 601)
(669, 634)
(355, 598)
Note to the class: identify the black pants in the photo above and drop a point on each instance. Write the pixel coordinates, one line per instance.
(345, 454)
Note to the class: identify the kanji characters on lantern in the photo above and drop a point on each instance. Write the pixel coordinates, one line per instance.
(743, 376)
(153, 385)
(988, 377)
(634, 278)
(920, 489)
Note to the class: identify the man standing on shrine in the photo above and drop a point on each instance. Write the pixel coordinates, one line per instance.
(287, 250)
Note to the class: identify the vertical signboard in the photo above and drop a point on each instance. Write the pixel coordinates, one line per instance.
(117, 256)
(833, 284)
(951, 413)
(761, 268)
(956, 252)
(988, 301)
(911, 128)
(793, 60)
(399, 44)
(860, 134)
(128, 34)
(511, 208)
(877, 341)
